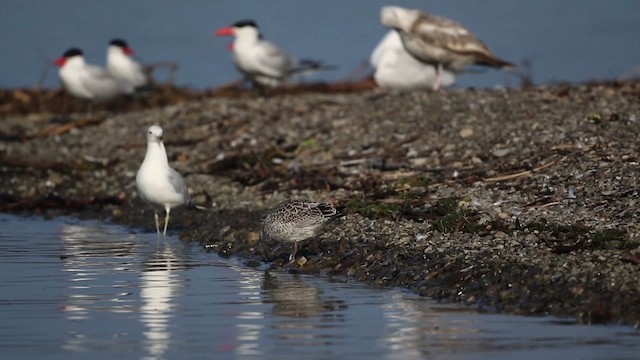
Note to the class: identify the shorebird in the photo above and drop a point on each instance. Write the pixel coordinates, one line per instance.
(261, 61)
(160, 186)
(439, 41)
(297, 220)
(395, 68)
(123, 66)
(87, 81)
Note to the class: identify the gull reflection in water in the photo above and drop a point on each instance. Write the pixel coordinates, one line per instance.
(161, 280)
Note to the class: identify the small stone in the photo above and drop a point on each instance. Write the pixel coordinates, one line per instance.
(252, 263)
(301, 261)
(466, 132)
(501, 152)
(252, 237)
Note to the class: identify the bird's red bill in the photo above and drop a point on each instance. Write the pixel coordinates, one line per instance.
(226, 31)
(60, 61)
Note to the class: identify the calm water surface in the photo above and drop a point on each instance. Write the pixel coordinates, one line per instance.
(73, 289)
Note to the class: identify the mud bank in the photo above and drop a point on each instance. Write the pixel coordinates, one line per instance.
(517, 201)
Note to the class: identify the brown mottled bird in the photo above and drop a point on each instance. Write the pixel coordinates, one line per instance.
(297, 220)
(439, 41)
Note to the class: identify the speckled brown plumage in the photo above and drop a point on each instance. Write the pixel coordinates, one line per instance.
(297, 220)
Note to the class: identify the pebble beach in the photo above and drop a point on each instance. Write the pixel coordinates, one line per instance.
(519, 201)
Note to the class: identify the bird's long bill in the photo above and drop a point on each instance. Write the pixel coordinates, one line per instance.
(225, 31)
(128, 51)
(60, 61)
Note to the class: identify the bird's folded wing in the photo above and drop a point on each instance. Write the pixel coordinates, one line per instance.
(447, 34)
(274, 60)
(177, 182)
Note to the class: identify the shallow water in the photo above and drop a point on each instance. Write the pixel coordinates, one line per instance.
(74, 289)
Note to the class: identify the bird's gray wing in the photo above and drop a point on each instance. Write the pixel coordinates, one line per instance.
(275, 61)
(177, 182)
(102, 84)
(98, 72)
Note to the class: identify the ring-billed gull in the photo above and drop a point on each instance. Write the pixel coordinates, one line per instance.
(439, 41)
(297, 220)
(158, 184)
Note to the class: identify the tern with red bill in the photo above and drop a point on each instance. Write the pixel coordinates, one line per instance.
(89, 82)
(261, 61)
(438, 41)
(122, 65)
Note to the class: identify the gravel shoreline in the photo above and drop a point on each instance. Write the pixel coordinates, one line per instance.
(519, 201)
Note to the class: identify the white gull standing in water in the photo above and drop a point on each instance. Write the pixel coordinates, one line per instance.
(158, 184)
(395, 68)
(297, 220)
(438, 41)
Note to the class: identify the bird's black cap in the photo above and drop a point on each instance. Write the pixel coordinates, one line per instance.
(72, 52)
(243, 23)
(119, 42)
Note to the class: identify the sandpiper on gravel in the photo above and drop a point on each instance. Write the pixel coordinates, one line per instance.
(297, 220)
(158, 184)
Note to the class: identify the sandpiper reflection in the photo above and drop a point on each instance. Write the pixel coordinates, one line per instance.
(291, 296)
(304, 316)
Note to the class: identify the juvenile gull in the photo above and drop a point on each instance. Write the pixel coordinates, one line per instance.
(395, 68)
(261, 61)
(158, 184)
(438, 41)
(89, 82)
(297, 220)
(122, 65)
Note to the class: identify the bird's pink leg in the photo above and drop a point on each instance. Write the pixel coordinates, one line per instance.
(438, 79)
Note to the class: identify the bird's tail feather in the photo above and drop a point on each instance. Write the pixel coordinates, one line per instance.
(332, 212)
(496, 62)
(308, 66)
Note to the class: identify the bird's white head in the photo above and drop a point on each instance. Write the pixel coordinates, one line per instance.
(399, 18)
(154, 134)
